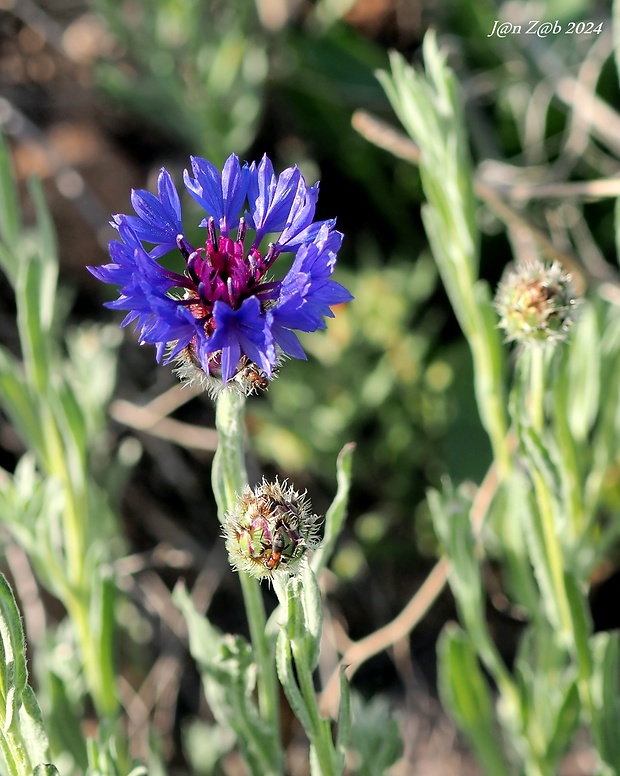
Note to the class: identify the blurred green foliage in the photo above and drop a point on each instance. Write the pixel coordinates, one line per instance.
(195, 70)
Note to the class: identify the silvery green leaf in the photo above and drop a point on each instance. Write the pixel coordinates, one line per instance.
(10, 221)
(13, 670)
(313, 613)
(374, 735)
(228, 672)
(31, 729)
(465, 694)
(286, 675)
(337, 512)
(18, 402)
(605, 678)
(37, 347)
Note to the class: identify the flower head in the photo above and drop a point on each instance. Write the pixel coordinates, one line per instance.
(536, 302)
(270, 530)
(223, 317)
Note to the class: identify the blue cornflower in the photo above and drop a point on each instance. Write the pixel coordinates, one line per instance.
(223, 316)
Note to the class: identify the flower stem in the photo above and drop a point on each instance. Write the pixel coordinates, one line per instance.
(537, 388)
(229, 472)
(229, 479)
(320, 734)
(267, 687)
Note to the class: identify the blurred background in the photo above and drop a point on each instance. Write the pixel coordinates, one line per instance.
(96, 96)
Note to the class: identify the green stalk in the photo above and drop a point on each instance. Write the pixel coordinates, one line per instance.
(267, 681)
(553, 555)
(229, 479)
(78, 594)
(537, 388)
(73, 517)
(320, 733)
(104, 696)
(553, 552)
(490, 399)
(229, 472)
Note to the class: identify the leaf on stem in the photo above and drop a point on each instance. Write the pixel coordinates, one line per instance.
(605, 682)
(337, 512)
(13, 670)
(10, 222)
(286, 675)
(343, 737)
(228, 670)
(465, 693)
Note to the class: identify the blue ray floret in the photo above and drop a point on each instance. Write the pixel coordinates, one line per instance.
(223, 315)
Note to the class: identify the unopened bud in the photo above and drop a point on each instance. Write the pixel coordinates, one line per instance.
(270, 530)
(536, 302)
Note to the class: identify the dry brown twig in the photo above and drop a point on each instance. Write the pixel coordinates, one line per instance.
(153, 419)
(494, 196)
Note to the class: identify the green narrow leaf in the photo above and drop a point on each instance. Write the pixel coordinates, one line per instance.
(10, 222)
(48, 248)
(337, 512)
(465, 694)
(450, 514)
(451, 519)
(343, 737)
(579, 382)
(13, 670)
(294, 622)
(286, 675)
(546, 530)
(375, 738)
(32, 731)
(102, 627)
(538, 458)
(204, 639)
(228, 670)
(37, 347)
(606, 696)
(507, 519)
(62, 721)
(47, 254)
(617, 52)
(18, 403)
(566, 723)
(313, 614)
(536, 544)
(315, 765)
(5, 687)
(72, 425)
(582, 625)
